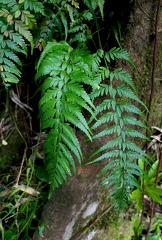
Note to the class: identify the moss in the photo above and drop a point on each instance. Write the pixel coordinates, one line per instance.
(112, 226)
(139, 40)
(120, 230)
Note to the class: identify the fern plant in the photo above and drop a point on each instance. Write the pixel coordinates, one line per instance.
(56, 19)
(63, 21)
(147, 181)
(118, 121)
(16, 21)
(64, 71)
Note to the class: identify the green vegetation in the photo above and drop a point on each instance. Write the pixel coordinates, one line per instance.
(70, 76)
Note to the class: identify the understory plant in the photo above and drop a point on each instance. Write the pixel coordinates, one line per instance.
(71, 78)
(21, 203)
(147, 182)
(156, 228)
(149, 196)
(26, 25)
(63, 72)
(16, 22)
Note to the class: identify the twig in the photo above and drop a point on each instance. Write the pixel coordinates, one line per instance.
(144, 11)
(152, 94)
(91, 224)
(159, 166)
(154, 60)
(22, 163)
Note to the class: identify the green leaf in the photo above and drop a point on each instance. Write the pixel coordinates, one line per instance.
(154, 193)
(63, 98)
(42, 174)
(153, 170)
(34, 5)
(137, 194)
(101, 6)
(9, 235)
(22, 29)
(65, 24)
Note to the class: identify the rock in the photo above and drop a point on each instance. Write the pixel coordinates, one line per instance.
(73, 206)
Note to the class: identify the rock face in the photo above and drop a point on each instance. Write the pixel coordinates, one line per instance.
(75, 210)
(72, 211)
(73, 206)
(139, 41)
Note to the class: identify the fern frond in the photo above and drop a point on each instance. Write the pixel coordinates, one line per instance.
(111, 144)
(118, 115)
(122, 75)
(9, 3)
(15, 71)
(67, 155)
(11, 55)
(133, 121)
(132, 146)
(72, 137)
(118, 53)
(23, 30)
(110, 166)
(132, 155)
(87, 15)
(59, 150)
(124, 91)
(8, 62)
(63, 98)
(50, 47)
(107, 131)
(108, 117)
(28, 19)
(80, 101)
(102, 73)
(120, 198)
(34, 5)
(128, 107)
(79, 90)
(111, 154)
(75, 149)
(75, 29)
(105, 104)
(130, 180)
(134, 133)
(81, 37)
(18, 40)
(50, 82)
(100, 90)
(9, 77)
(114, 174)
(101, 6)
(12, 45)
(65, 24)
(76, 118)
